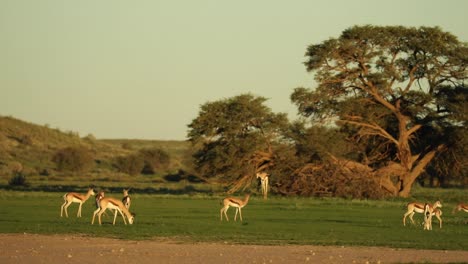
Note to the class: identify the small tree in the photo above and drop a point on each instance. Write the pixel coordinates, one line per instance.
(234, 139)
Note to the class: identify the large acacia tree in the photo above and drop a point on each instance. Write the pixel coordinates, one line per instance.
(394, 85)
(233, 139)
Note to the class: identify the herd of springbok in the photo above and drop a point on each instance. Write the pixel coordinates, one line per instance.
(102, 204)
(429, 210)
(122, 206)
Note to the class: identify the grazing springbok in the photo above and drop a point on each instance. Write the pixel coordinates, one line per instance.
(416, 207)
(113, 204)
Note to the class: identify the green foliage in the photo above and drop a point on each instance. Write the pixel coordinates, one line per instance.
(314, 143)
(234, 137)
(74, 159)
(450, 166)
(396, 91)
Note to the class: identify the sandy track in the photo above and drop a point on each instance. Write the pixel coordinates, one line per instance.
(29, 248)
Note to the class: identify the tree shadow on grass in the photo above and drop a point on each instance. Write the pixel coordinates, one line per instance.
(189, 189)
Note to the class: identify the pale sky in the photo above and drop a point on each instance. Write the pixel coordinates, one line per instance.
(142, 69)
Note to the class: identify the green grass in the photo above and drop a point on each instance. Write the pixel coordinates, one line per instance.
(275, 221)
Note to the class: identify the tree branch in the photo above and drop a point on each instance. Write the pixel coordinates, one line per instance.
(378, 130)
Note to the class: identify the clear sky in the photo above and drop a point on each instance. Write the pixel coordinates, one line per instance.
(141, 69)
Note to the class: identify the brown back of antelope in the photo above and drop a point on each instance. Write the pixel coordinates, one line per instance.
(460, 207)
(72, 197)
(113, 204)
(416, 207)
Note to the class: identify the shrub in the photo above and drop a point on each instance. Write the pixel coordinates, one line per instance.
(44, 172)
(18, 179)
(90, 138)
(127, 146)
(15, 167)
(330, 180)
(154, 159)
(131, 164)
(78, 159)
(26, 140)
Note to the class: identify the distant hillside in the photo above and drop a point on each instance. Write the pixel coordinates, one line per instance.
(176, 149)
(32, 147)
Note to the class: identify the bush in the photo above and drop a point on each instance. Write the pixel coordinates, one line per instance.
(154, 159)
(90, 138)
(330, 180)
(74, 159)
(131, 164)
(18, 179)
(15, 167)
(127, 146)
(45, 172)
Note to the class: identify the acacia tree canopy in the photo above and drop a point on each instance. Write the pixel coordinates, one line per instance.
(390, 83)
(234, 139)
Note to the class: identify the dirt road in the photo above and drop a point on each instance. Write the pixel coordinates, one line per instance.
(30, 248)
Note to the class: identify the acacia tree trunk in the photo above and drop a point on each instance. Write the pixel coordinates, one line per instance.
(408, 179)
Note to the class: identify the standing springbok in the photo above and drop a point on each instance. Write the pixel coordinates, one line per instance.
(126, 199)
(428, 213)
(264, 181)
(234, 202)
(72, 197)
(98, 197)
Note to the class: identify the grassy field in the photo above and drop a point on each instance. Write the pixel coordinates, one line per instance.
(275, 221)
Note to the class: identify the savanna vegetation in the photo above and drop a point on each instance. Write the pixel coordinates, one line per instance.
(387, 112)
(386, 118)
